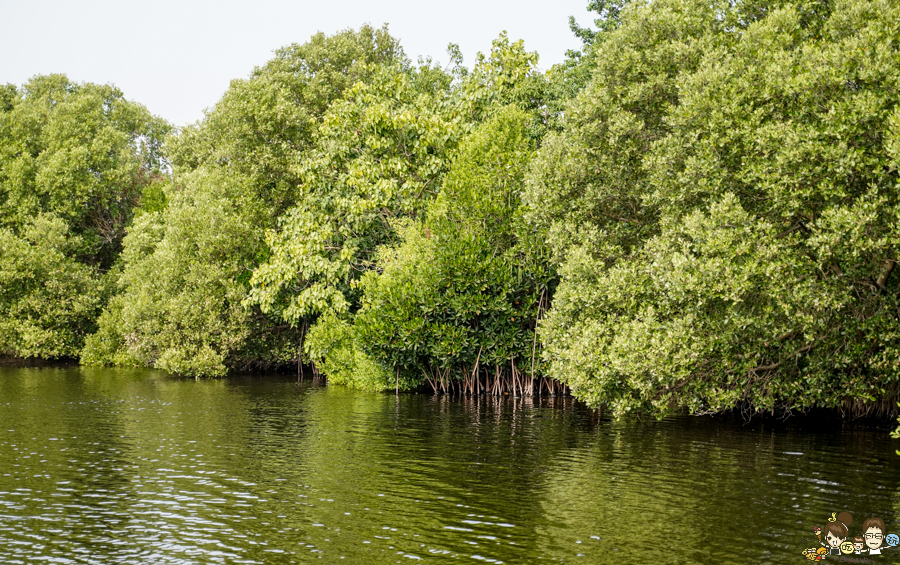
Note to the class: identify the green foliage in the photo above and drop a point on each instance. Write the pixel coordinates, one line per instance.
(318, 71)
(723, 204)
(718, 194)
(497, 78)
(189, 257)
(507, 75)
(465, 284)
(263, 125)
(325, 167)
(186, 275)
(331, 345)
(609, 17)
(380, 153)
(570, 77)
(49, 302)
(107, 345)
(76, 161)
(80, 152)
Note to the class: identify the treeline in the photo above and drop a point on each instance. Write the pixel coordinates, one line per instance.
(698, 210)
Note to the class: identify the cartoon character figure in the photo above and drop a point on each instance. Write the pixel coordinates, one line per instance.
(836, 531)
(818, 531)
(859, 543)
(815, 554)
(873, 530)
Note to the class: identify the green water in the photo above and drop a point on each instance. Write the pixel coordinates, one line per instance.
(113, 466)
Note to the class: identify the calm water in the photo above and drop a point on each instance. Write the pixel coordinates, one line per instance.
(112, 466)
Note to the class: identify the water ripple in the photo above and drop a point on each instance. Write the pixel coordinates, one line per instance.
(134, 467)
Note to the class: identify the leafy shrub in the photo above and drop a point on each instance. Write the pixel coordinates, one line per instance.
(722, 206)
(49, 301)
(465, 284)
(80, 152)
(185, 278)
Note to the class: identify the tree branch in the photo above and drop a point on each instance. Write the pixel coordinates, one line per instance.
(774, 366)
(618, 219)
(790, 230)
(885, 274)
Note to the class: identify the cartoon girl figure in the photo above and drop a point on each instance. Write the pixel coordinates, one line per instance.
(836, 531)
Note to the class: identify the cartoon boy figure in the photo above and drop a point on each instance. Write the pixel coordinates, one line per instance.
(859, 543)
(873, 530)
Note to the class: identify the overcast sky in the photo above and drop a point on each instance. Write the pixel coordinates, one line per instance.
(177, 56)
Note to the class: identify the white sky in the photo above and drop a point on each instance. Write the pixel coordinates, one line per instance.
(177, 57)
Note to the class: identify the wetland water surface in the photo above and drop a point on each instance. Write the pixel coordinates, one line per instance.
(117, 466)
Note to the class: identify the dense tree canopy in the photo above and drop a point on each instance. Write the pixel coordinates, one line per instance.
(723, 208)
(463, 285)
(698, 211)
(185, 277)
(466, 284)
(183, 303)
(49, 302)
(76, 161)
(380, 154)
(80, 152)
(263, 124)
